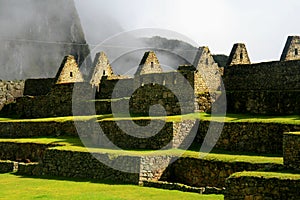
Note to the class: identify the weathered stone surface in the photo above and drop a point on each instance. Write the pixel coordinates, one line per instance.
(23, 151)
(69, 71)
(207, 76)
(291, 150)
(240, 137)
(247, 137)
(291, 49)
(102, 68)
(238, 55)
(255, 188)
(83, 165)
(201, 172)
(149, 64)
(38, 87)
(9, 91)
(7, 166)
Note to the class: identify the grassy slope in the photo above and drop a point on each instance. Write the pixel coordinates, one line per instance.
(18, 187)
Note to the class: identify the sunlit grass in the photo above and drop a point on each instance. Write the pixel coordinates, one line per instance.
(280, 174)
(229, 118)
(19, 187)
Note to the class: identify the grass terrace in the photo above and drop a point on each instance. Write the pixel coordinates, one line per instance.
(24, 187)
(75, 144)
(229, 118)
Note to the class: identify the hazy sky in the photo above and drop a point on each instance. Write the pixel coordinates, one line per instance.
(262, 24)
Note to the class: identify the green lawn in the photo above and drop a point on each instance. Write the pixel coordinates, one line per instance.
(19, 187)
(290, 119)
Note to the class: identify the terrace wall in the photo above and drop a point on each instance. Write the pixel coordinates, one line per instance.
(235, 136)
(253, 187)
(291, 150)
(201, 172)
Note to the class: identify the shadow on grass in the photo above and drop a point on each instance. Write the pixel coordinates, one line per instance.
(70, 141)
(73, 179)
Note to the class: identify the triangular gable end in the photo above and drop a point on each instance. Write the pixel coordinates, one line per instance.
(291, 49)
(69, 71)
(238, 55)
(149, 64)
(102, 68)
(204, 58)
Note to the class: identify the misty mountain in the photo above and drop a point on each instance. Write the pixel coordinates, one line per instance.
(171, 53)
(35, 36)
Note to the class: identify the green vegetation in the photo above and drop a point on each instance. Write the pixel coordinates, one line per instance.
(230, 118)
(74, 144)
(280, 174)
(20, 187)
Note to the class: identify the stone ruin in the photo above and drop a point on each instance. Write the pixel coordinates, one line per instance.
(249, 87)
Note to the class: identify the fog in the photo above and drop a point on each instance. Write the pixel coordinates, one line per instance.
(35, 36)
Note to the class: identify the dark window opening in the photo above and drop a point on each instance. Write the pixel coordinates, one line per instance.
(152, 64)
(103, 72)
(71, 74)
(241, 56)
(206, 61)
(296, 52)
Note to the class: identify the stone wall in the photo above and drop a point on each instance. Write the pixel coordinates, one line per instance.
(64, 163)
(247, 137)
(263, 88)
(9, 91)
(201, 172)
(158, 134)
(31, 152)
(266, 102)
(263, 76)
(83, 165)
(235, 136)
(7, 166)
(36, 129)
(172, 134)
(152, 168)
(291, 150)
(58, 102)
(240, 187)
(37, 87)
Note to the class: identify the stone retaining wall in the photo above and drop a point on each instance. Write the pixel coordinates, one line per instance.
(82, 165)
(9, 91)
(202, 173)
(172, 134)
(247, 137)
(36, 129)
(235, 136)
(7, 166)
(31, 152)
(240, 187)
(291, 150)
(270, 102)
